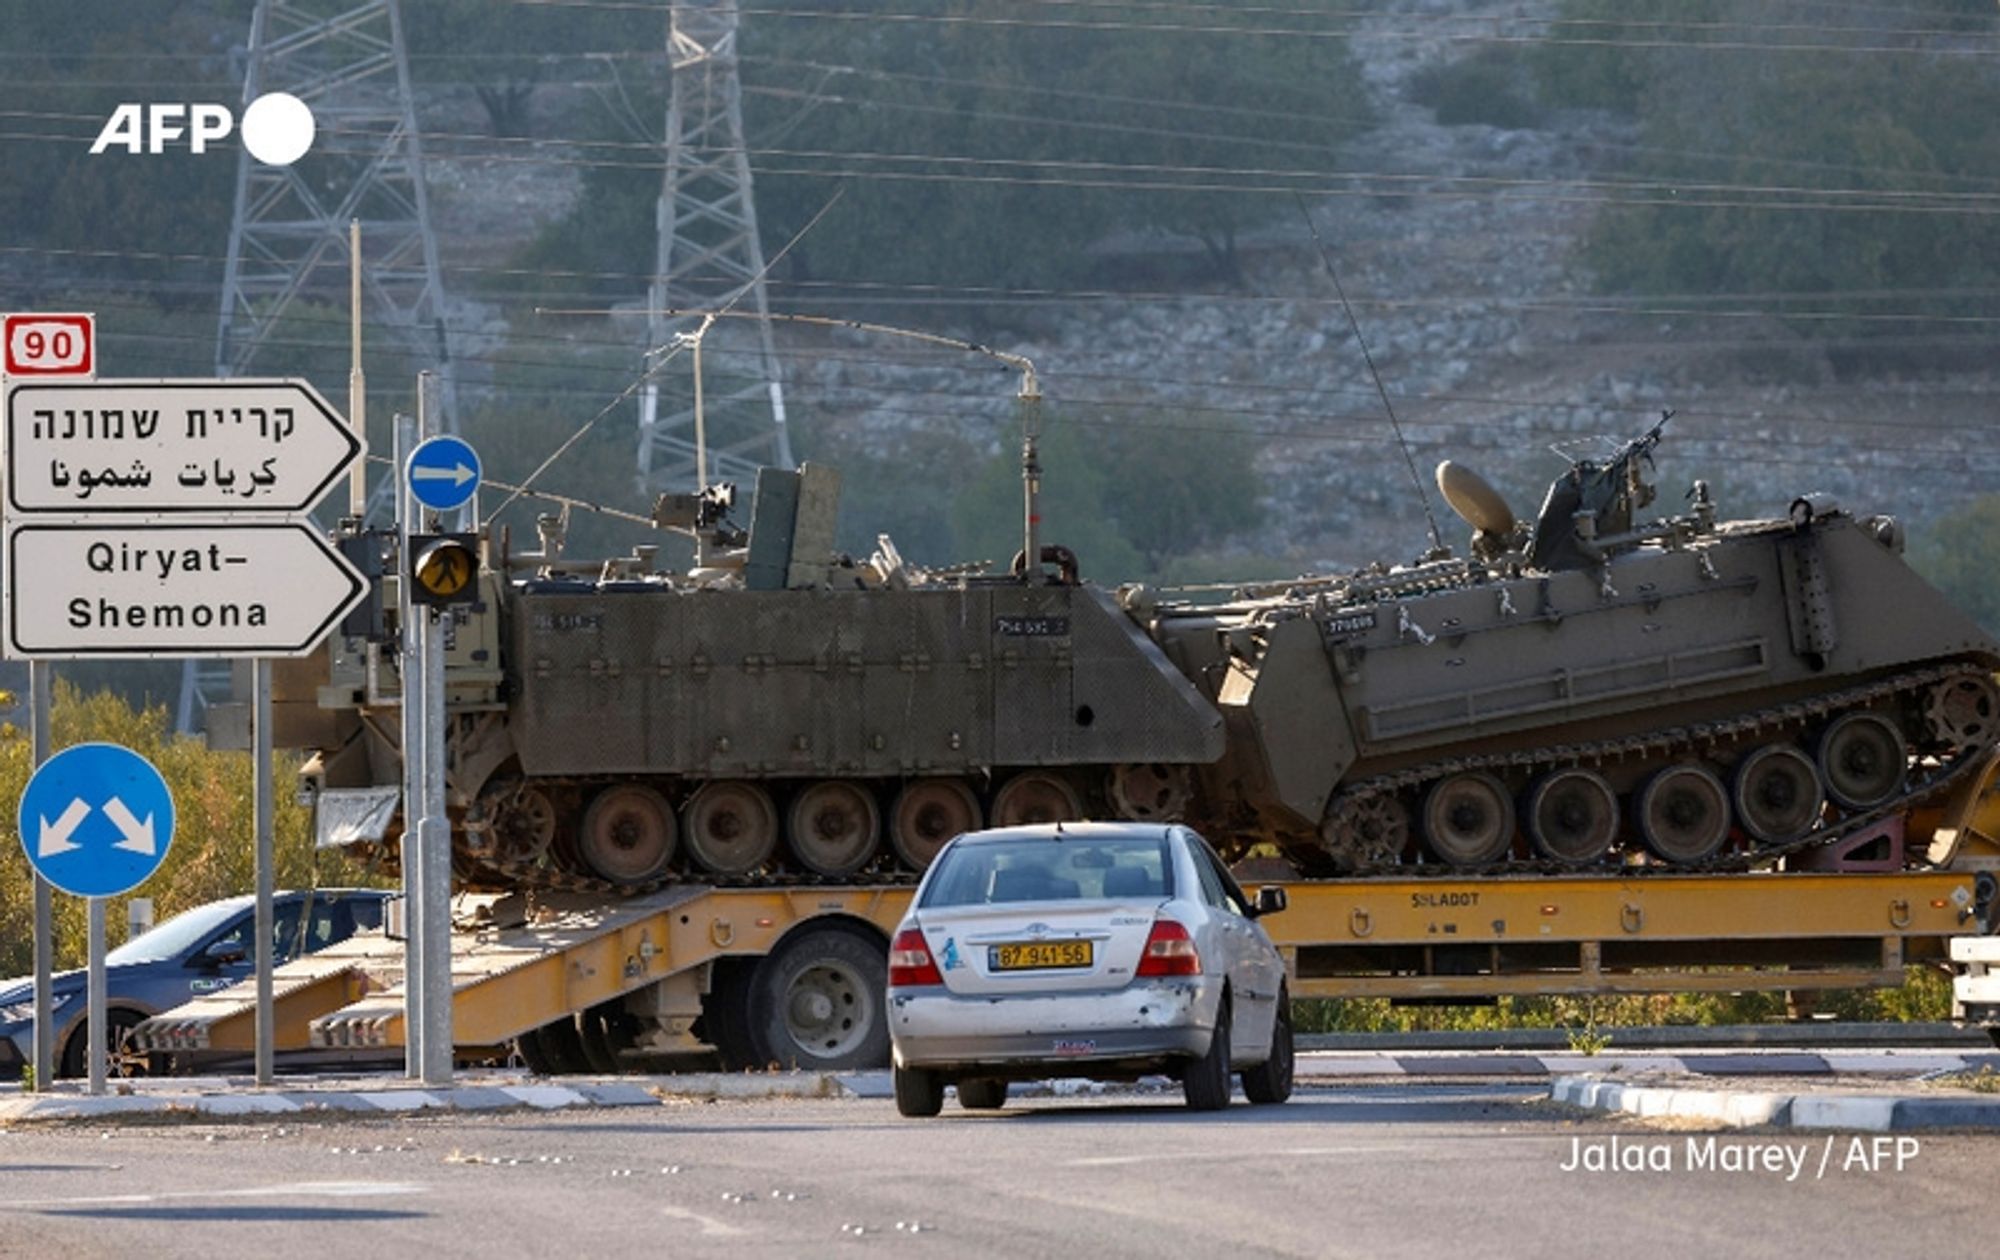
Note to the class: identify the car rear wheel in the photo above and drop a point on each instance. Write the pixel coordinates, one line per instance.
(1271, 1080)
(918, 1092)
(982, 1093)
(1205, 1084)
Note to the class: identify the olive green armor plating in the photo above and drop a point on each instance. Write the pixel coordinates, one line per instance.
(1589, 691)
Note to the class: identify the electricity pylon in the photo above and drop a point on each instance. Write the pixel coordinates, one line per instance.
(289, 239)
(710, 259)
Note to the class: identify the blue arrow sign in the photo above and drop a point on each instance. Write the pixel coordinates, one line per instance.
(96, 820)
(443, 473)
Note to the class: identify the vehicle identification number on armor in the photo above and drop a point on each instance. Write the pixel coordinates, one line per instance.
(1032, 627)
(560, 622)
(1350, 623)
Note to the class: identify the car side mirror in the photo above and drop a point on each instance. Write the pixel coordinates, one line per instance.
(1270, 900)
(222, 953)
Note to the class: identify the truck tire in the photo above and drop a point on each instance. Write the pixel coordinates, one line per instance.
(557, 1046)
(819, 1002)
(725, 1015)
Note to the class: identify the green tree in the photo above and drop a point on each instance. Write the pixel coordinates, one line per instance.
(1961, 557)
(510, 47)
(1133, 499)
(213, 853)
(973, 148)
(1802, 174)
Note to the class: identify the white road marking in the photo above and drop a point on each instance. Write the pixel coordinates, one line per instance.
(1181, 1159)
(321, 1189)
(710, 1227)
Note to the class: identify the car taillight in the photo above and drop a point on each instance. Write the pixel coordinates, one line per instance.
(1170, 951)
(910, 962)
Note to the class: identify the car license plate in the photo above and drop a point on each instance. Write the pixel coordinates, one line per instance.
(1039, 955)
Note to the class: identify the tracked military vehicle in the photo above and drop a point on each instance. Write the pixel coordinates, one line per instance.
(1591, 689)
(1588, 690)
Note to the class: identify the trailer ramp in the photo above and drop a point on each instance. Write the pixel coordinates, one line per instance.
(518, 963)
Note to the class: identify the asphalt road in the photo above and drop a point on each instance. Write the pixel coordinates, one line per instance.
(1362, 1170)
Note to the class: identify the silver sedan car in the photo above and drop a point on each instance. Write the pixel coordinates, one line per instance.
(1104, 950)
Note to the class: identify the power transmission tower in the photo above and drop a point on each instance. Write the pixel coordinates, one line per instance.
(710, 259)
(288, 238)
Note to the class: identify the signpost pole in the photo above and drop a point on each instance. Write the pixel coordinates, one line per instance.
(260, 741)
(39, 703)
(95, 1000)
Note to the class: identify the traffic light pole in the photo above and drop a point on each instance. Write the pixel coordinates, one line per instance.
(430, 972)
(414, 761)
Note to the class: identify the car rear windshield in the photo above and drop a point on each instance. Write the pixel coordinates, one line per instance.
(1066, 868)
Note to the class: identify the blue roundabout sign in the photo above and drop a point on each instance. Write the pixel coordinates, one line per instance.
(96, 820)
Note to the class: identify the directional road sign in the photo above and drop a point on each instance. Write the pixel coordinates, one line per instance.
(180, 446)
(209, 589)
(48, 345)
(443, 473)
(96, 820)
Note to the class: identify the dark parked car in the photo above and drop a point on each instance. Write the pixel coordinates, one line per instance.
(204, 949)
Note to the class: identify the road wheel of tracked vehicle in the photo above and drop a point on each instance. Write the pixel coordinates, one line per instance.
(1365, 832)
(1863, 759)
(834, 827)
(1964, 711)
(1683, 813)
(927, 813)
(628, 834)
(819, 1002)
(1778, 796)
(1468, 819)
(1035, 797)
(1572, 816)
(1150, 791)
(525, 825)
(732, 827)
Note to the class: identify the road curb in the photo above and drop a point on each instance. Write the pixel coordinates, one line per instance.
(228, 1102)
(1742, 1109)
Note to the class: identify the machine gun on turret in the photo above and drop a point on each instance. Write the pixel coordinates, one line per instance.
(1592, 501)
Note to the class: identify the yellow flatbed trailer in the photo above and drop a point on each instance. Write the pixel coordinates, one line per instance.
(785, 958)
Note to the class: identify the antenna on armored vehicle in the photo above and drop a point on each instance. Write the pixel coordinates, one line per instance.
(1029, 396)
(1326, 260)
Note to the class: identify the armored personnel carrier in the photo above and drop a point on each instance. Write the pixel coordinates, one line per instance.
(1586, 690)
(1590, 689)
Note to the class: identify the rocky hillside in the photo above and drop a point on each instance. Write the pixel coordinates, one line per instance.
(1458, 248)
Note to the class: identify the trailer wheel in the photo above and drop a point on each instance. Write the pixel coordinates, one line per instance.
(725, 1014)
(605, 1032)
(557, 1046)
(819, 1002)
